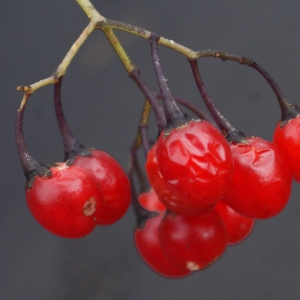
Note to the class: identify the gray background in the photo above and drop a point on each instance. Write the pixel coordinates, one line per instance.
(103, 105)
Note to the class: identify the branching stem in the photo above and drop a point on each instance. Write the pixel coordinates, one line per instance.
(97, 21)
(61, 70)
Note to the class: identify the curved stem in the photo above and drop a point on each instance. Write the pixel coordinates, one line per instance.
(134, 73)
(106, 25)
(193, 108)
(142, 214)
(71, 145)
(286, 108)
(230, 132)
(157, 108)
(27, 162)
(145, 141)
(250, 63)
(140, 138)
(61, 70)
(142, 134)
(31, 167)
(173, 113)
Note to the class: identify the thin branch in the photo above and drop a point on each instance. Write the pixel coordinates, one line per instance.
(230, 132)
(129, 66)
(191, 54)
(90, 10)
(61, 70)
(172, 110)
(157, 108)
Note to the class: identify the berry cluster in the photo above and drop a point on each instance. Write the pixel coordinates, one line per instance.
(209, 181)
(70, 198)
(209, 185)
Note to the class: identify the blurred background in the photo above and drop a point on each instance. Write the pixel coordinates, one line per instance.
(103, 106)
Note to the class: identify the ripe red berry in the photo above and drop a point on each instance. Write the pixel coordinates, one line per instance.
(149, 246)
(111, 178)
(261, 182)
(195, 159)
(238, 227)
(147, 238)
(193, 243)
(66, 202)
(63, 199)
(287, 137)
(113, 183)
(167, 195)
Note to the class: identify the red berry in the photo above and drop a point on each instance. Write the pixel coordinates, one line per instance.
(261, 183)
(238, 227)
(167, 195)
(66, 202)
(193, 243)
(149, 200)
(147, 239)
(148, 244)
(288, 140)
(196, 161)
(113, 182)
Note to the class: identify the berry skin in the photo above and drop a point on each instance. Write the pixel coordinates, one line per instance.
(167, 195)
(261, 183)
(288, 140)
(147, 239)
(149, 200)
(111, 178)
(66, 202)
(238, 227)
(113, 182)
(196, 161)
(149, 246)
(193, 243)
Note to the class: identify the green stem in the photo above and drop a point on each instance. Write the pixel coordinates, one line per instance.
(129, 66)
(61, 69)
(90, 10)
(190, 54)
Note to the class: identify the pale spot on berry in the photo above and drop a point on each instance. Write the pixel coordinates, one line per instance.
(192, 266)
(61, 166)
(89, 207)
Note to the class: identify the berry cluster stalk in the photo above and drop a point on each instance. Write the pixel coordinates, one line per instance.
(174, 115)
(230, 132)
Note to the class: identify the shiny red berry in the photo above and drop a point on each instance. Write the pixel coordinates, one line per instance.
(147, 239)
(195, 159)
(238, 227)
(65, 203)
(113, 183)
(111, 178)
(167, 194)
(149, 246)
(193, 243)
(287, 137)
(261, 184)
